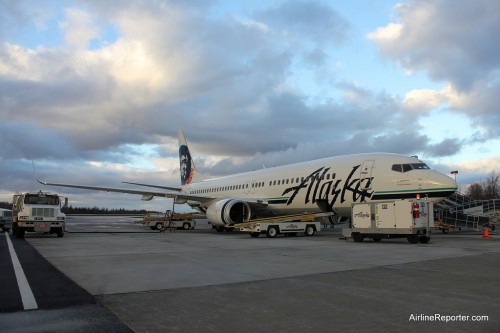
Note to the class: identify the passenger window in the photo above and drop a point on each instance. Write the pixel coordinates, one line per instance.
(397, 168)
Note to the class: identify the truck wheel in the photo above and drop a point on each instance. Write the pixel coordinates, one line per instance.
(424, 239)
(186, 226)
(309, 230)
(60, 232)
(20, 232)
(153, 227)
(255, 234)
(160, 226)
(357, 237)
(272, 232)
(412, 239)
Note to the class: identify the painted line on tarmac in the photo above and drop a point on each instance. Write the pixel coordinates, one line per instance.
(29, 302)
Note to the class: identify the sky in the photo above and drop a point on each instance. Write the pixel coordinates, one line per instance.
(95, 91)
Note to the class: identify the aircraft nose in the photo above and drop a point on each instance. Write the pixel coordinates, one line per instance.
(444, 182)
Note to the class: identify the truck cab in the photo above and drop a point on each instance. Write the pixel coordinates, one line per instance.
(37, 212)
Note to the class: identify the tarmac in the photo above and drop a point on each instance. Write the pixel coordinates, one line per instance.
(108, 274)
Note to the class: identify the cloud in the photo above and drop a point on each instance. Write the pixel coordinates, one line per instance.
(90, 103)
(455, 43)
(79, 28)
(452, 41)
(315, 21)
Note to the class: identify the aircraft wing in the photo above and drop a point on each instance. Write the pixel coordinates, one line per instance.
(155, 186)
(146, 194)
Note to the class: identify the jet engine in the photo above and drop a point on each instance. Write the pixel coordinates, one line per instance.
(228, 212)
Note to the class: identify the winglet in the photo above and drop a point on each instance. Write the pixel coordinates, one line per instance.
(36, 176)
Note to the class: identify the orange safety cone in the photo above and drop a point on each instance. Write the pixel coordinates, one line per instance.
(486, 233)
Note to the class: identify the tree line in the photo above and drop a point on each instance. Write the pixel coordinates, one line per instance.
(485, 189)
(89, 210)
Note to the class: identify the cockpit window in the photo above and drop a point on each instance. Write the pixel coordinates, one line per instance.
(420, 166)
(397, 167)
(409, 167)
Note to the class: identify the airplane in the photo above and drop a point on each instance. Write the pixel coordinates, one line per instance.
(325, 185)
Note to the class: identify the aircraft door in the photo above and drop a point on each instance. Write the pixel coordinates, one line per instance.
(365, 174)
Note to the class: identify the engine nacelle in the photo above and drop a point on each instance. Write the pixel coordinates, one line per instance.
(228, 212)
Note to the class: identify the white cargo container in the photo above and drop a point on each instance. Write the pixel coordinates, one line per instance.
(411, 219)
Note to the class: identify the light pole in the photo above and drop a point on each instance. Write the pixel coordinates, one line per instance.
(454, 173)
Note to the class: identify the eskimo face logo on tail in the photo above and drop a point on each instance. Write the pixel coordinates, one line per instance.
(186, 165)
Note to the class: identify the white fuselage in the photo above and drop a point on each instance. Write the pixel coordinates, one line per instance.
(329, 184)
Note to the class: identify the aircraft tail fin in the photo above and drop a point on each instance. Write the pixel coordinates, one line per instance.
(189, 174)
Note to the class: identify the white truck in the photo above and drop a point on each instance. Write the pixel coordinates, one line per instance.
(411, 219)
(38, 212)
(5, 219)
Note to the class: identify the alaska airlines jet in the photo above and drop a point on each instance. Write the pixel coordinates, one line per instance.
(326, 185)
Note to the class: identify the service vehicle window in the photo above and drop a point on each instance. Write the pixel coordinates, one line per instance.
(36, 199)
